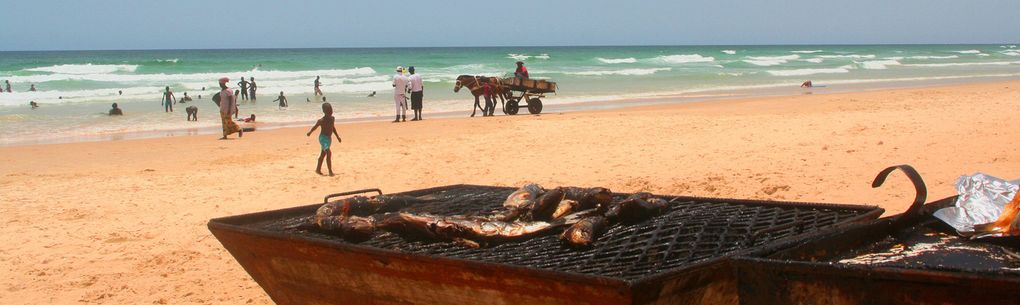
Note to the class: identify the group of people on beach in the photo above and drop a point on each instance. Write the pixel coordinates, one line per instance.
(402, 85)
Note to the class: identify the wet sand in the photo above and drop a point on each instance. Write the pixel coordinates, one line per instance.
(123, 222)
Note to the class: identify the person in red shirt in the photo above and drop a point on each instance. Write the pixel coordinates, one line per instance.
(522, 72)
(489, 104)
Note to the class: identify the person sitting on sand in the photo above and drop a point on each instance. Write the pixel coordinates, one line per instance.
(33, 104)
(115, 110)
(325, 140)
(522, 71)
(807, 84)
(186, 98)
(32, 88)
(371, 94)
(192, 113)
(168, 96)
(283, 100)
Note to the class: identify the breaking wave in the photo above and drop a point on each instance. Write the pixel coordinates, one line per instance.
(806, 51)
(85, 69)
(879, 64)
(766, 61)
(684, 58)
(628, 60)
(731, 52)
(802, 72)
(627, 72)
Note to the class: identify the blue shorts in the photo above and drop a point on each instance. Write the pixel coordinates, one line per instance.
(325, 141)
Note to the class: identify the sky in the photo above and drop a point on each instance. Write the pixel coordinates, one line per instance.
(196, 24)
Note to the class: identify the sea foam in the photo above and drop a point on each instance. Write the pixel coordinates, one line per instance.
(628, 72)
(803, 72)
(85, 69)
(852, 56)
(879, 64)
(806, 51)
(518, 57)
(628, 60)
(731, 52)
(685, 58)
(766, 61)
(962, 64)
(968, 52)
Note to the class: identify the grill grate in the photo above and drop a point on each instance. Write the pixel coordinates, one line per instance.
(694, 230)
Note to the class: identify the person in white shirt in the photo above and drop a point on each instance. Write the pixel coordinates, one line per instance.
(400, 95)
(416, 93)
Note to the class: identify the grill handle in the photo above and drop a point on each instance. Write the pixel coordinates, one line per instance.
(326, 199)
(921, 192)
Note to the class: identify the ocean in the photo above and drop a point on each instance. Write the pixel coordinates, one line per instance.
(76, 88)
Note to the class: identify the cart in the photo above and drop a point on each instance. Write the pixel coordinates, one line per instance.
(528, 91)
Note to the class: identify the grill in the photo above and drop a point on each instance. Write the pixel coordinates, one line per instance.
(905, 259)
(680, 254)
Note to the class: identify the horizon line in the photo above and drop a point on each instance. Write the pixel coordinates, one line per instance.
(494, 47)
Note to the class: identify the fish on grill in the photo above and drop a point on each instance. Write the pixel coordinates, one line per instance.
(523, 197)
(542, 209)
(351, 228)
(588, 198)
(367, 206)
(636, 208)
(583, 233)
(479, 230)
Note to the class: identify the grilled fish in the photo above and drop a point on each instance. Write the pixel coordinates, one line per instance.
(366, 206)
(479, 230)
(588, 198)
(524, 197)
(351, 228)
(583, 233)
(543, 208)
(636, 208)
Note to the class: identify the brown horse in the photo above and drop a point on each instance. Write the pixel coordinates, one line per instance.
(474, 83)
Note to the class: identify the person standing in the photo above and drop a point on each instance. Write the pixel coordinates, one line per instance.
(8, 86)
(228, 106)
(32, 88)
(244, 88)
(522, 71)
(317, 84)
(168, 97)
(251, 88)
(400, 95)
(416, 93)
(487, 93)
(283, 101)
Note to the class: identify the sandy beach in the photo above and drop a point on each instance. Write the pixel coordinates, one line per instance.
(124, 222)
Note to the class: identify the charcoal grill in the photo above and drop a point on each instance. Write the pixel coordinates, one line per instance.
(911, 258)
(679, 257)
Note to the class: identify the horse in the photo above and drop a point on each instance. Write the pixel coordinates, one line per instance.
(474, 83)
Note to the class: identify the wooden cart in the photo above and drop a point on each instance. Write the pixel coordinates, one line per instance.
(526, 91)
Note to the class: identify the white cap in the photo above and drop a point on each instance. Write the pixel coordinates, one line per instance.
(400, 69)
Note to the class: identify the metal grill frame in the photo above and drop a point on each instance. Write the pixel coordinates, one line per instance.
(711, 278)
(802, 273)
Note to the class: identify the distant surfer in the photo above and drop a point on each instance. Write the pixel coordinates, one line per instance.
(244, 88)
(116, 110)
(168, 97)
(807, 84)
(317, 84)
(119, 92)
(32, 88)
(522, 71)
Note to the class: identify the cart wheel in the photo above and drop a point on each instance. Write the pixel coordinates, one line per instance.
(512, 107)
(535, 106)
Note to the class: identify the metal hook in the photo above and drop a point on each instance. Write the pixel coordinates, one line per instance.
(921, 191)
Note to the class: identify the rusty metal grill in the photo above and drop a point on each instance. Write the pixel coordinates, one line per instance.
(694, 230)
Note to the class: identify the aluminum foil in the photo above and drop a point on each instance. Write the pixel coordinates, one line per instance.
(981, 200)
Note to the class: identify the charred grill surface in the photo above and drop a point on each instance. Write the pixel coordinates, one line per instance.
(691, 230)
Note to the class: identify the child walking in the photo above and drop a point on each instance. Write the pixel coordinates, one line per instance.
(328, 129)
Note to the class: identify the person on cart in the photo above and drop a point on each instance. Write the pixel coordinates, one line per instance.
(522, 71)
